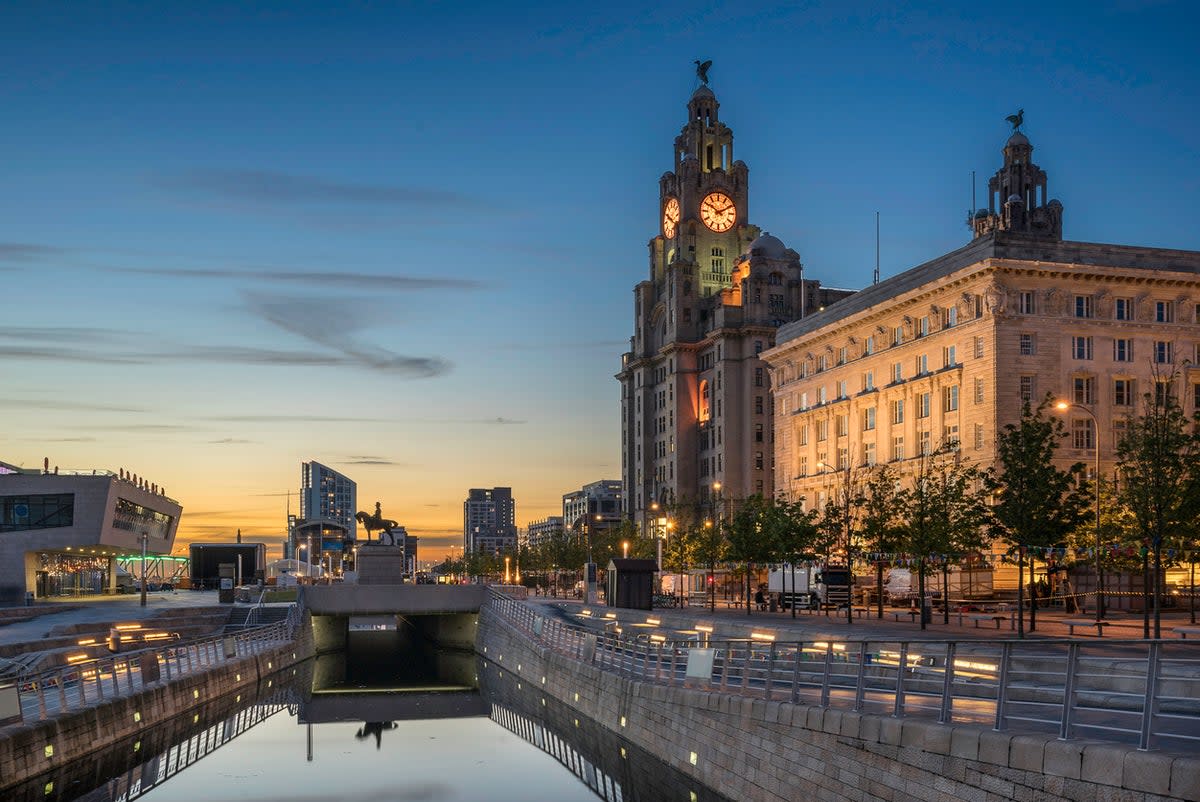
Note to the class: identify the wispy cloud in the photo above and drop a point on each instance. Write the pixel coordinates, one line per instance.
(270, 187)
(53, 354)
(323, 321)
(51, 403)
(63, 334)
(362, 281)
(25, 251)
(370, 461)
(230, 441)
(137, 427)
(292, 419)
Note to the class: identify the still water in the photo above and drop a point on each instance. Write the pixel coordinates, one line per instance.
(326, 731)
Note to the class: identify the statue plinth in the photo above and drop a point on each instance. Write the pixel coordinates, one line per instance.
(380, 565)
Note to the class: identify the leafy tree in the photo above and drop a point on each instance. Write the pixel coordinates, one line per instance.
(1038, 505)
(681, 546)
(1159, 461)
(880, 526)
(750, 537)
(946, 512)
(791, 533)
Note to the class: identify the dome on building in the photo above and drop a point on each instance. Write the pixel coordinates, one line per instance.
(769, 246)
(1018, 139)
(691, 157)
(703, 91)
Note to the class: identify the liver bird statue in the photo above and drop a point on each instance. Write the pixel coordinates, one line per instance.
(1016, 119)
(702, 70)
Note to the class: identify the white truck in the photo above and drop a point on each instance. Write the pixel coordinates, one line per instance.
(809, 587)
(964, 583)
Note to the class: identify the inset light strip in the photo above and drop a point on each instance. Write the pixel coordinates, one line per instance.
(765, 636)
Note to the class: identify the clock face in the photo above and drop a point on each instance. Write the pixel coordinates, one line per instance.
(670, 217)
(718, 212)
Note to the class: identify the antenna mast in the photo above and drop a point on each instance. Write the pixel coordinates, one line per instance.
(876, 281)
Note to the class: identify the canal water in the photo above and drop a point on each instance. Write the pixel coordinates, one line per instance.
(353, 730)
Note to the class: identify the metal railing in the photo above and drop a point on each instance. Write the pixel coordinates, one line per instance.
(1143, 693)
(73, 687)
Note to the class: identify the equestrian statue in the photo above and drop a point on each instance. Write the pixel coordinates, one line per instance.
(377, 521)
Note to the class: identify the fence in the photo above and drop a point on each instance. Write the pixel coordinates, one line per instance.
(1143, 693)
(83, 684)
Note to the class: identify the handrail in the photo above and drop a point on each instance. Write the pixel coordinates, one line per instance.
(76, 686)
(1142, 693)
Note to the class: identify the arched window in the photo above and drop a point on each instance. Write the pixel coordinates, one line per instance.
(705, 413)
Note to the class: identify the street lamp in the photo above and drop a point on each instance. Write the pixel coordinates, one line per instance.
(1063, 406)
(625, 549)
(299, 550)
(713, 534)
(507, 576)
(145, 535)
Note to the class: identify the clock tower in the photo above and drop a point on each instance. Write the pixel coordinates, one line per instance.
(696, 408)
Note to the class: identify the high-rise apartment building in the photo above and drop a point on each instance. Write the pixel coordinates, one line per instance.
(695, 394)
(489, 520)
(541, 531)
(596, 505)
(948, 352)
(327, 495)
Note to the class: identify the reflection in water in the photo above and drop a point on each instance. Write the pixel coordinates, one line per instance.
(375, 728)
(440, 746)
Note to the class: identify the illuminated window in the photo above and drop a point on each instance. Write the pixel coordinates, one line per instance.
(705, 410)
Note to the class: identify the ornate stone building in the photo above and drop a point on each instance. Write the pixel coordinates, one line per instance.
(695, 397)
(949, 350)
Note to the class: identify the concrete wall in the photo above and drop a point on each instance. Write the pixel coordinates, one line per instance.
(392, 599)
(746, 748)
(36, 747)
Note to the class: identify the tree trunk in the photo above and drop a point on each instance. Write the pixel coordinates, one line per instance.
(945, 592)
(1158, 588)
(920, 592)
(1146, 593)
(1032, 596)
(1020, 591)
(879, 587)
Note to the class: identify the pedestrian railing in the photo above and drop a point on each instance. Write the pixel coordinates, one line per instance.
(1143, 693)
(85, 682)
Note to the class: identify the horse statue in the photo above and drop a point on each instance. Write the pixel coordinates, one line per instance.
(377, 521)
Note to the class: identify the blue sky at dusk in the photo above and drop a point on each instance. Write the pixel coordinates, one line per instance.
(401, 239)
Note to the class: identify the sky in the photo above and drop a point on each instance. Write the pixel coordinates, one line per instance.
(401, 239)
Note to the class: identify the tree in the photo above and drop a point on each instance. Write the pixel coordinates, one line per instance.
(1158, 460)
(791, 534)
(946, 512)
(880, 526)
(1038, 504)
(751, 534)
(681, 545)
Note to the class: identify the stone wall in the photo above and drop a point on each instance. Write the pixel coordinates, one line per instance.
(36, 747)
(752, 749)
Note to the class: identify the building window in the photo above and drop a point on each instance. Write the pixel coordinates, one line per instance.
(1123, 392)
(1083, 390)
(758, 377)
(821, 395)
(843, 459)
(1028, 344)
(924, 443)
(950, 398)
(898, 372)
(949, 359)
(923, 405)
(822, 431)
(869, 347)
(1163, 391)
(979, 391)
(841, 389)
(843, 355)
(803, 401)
(803, 435)
(979, 348)
(1164, 312)
(897, 448)
(950, 437)
(978, 436)
(758, 433)
(822, 363)
(1122, 350)
(1123, 309)
(868, 419)
(1081, 347)
(898, 335)
(802, 468)
(1025, 303)
(19, 513)
(922, 364)
(868, 381)
(758, 346)
(898, 411)
(758, 460)
(1162, 352)
(868, 454)
(843, 425)
(1082, 434)
(1196, 396)
(1028, 388)
(923, 327)
(1083, 306)
(950, 318)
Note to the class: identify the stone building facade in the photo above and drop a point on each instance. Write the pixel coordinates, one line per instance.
(695, 396)
(949, 351)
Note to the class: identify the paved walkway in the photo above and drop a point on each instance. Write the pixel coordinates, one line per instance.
(734, 622)
(104, 610)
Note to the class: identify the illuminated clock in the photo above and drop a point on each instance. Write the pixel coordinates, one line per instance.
(718, 212)
(670, 217)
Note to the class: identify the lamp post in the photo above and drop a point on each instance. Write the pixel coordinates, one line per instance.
(714, 532)
(1063, 406)
(145, 535)
(507, 561)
